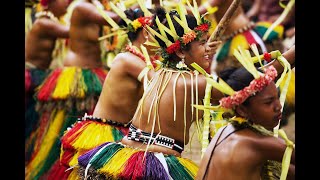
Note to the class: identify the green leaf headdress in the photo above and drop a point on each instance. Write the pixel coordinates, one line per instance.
(178, 42)
(132, 26)
(261, 80)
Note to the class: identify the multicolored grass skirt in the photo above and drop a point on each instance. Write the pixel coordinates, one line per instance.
(33, 78)
(115, 161)
(245, 39)
(80, 138)
(64, 95)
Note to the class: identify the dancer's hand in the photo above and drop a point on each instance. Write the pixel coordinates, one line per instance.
(211, 47)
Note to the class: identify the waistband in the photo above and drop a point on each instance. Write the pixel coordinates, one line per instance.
(29, 65)
(136, 134)
(102, 120)
(238, 31)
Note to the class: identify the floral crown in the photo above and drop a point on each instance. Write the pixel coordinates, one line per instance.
(133, 26)
(255, 86)
(261, 80)
(178, 42)
(139, 23)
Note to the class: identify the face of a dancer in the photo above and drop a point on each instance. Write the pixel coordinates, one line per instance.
(264, 108)
(197, 52)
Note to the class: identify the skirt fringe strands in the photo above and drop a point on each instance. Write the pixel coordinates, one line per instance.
(89, 134)
(70, 90)
(33, 78)
(85, 135)
(115, 161)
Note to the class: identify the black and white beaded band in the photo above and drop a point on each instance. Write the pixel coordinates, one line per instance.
(107, 121)
(136, 134)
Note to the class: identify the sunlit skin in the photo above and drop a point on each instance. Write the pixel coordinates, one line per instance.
(41, 39)
(241, 155)
(289, 55)
(85, 29)
(198, 52)
(121, 90)
(264, 108)
(203, 48)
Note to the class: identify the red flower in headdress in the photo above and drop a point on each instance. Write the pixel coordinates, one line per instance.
(173, 47)
(203, 27)
(44, 2)
(145, 20)
(255, 86)
(188, 37)
(267, 56)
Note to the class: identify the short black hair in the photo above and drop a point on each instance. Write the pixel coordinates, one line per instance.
(133, 14)
(237, 78)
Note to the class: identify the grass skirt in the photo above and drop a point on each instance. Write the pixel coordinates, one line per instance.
(64, 95)
(116, 161)
(33, 78)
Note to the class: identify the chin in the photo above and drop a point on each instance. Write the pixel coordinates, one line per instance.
(205, 65)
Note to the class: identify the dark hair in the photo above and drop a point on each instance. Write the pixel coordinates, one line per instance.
(161, 14)
(237, 78)
(132, 15)
(30, 3)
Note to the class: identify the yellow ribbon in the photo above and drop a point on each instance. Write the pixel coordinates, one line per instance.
(287, 155)
(279, 20)
(286, 70)
(28, 19)
(209, 8)
(206, 112)
(147, 58)
(100, 9)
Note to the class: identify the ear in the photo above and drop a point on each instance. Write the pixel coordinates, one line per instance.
(242, 111)
(145, 33)
(180, 54)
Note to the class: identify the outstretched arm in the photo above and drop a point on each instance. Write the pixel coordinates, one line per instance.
(210, 3)
(272, 148)
(212, 48)
(52, 28)
(88, 13)
(254, 10)
(289, 55)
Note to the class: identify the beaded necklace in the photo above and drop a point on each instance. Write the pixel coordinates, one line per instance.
(47, 14)
(134, 50)
(240, 30)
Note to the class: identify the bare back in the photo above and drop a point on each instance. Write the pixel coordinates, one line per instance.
(239, 155)
(121, 90)
(84, 33)
(233, 159)
(40, 41)
(170, 125)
